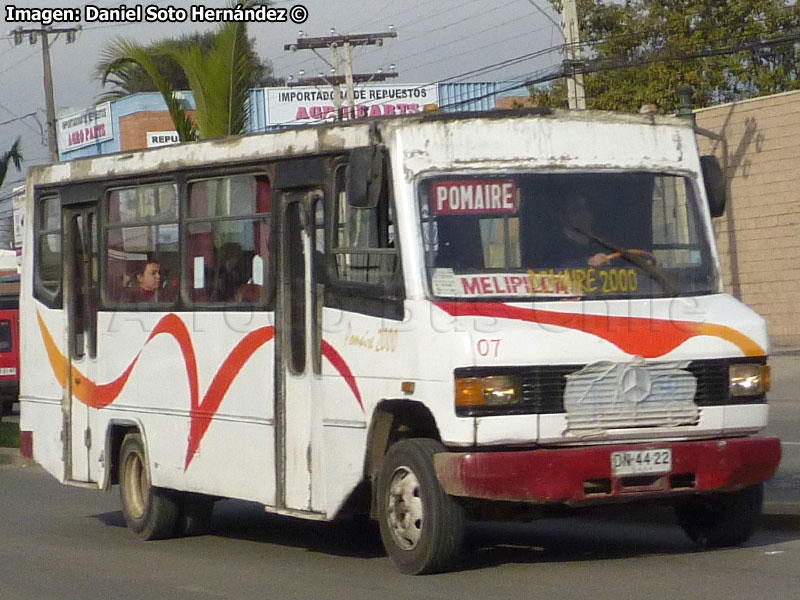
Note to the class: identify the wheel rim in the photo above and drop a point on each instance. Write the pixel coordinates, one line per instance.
(137, 485)
(404, 511)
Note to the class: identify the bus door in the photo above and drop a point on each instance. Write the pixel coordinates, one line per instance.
(298, 356)
(80, 301)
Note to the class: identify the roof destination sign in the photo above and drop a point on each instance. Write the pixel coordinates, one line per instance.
(473, 197)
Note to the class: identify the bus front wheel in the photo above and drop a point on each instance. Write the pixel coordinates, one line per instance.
(422, 528)
(721, 519)
(151, 513)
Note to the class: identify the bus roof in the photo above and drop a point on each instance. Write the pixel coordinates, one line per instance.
(323, 138)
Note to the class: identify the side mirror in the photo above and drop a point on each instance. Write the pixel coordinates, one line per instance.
(714, 180)
(364, 176)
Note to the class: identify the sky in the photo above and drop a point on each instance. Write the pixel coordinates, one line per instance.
(436, 41)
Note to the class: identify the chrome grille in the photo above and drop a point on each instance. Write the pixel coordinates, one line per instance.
(609, 395)
(543, 386)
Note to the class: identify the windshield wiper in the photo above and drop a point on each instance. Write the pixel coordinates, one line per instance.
(650, 269)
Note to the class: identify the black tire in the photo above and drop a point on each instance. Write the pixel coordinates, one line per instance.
(6, 407)
(151, 513)
(422, 528)
(196, 511)
(722, 519)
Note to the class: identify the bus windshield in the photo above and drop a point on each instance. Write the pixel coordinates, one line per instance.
(591, 235)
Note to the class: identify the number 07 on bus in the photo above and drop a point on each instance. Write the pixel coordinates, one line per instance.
(424, 320)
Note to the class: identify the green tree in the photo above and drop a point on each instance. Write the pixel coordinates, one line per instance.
(218, 72)
(725, 49)
(131, 78)
(13, 155)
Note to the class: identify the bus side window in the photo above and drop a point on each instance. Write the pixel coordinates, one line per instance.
(364, 274)
(141, 228)
(363, 239)
(228, 245)
(48, 236)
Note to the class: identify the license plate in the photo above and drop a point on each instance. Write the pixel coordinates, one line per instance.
(638, 462)
(8, 371)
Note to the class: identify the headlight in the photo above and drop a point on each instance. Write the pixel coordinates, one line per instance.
(497, 390)
(748, 379)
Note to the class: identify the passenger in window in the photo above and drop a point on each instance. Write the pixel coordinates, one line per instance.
(232, 273)
(577, 246)
(147, 284)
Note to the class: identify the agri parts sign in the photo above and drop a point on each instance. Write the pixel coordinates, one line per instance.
(85, 128)
(305, 105)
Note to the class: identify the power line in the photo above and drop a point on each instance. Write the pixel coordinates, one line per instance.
(508, 39)
(18, 63)
(750, 44)
(547, 16)
(293, 65)
(480, 13)
(503, 64)
(553, 73)
(450, 42)
(15, 119)
(428, 50)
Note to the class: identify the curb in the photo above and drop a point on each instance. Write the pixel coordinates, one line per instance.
(11, 456)
(785, 351)
(781, 516)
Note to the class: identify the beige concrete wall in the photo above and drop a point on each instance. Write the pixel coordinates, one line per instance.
(758, 236)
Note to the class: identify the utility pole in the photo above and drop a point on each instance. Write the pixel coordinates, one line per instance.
(572, 61)
(349, 79)
(33, 34)
(337, 94)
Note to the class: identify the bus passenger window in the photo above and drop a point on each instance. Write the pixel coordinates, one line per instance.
(48, 268)
(228, 229)
(142, 249)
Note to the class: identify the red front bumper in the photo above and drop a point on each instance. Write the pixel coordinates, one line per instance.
(583, 475)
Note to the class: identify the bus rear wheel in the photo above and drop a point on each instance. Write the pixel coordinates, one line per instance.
(151, 513)
(422, 528)
(721, 519)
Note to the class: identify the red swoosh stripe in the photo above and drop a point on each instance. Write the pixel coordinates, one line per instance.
(646, 337)
(340, 365)
(201, 412)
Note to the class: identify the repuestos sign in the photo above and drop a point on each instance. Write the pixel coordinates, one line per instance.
(156, 139)
(85, 128)
(305, 105)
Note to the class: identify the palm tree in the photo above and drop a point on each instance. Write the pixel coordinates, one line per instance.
(14, 155)
(134, 79)
(120, 56)
(219, 77)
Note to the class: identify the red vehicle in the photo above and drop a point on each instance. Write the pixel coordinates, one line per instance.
(9, 342)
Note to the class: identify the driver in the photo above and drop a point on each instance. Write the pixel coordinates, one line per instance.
(577, 246)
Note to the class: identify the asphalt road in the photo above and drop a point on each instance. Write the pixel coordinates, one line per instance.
(70, 544)
(783, 490)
